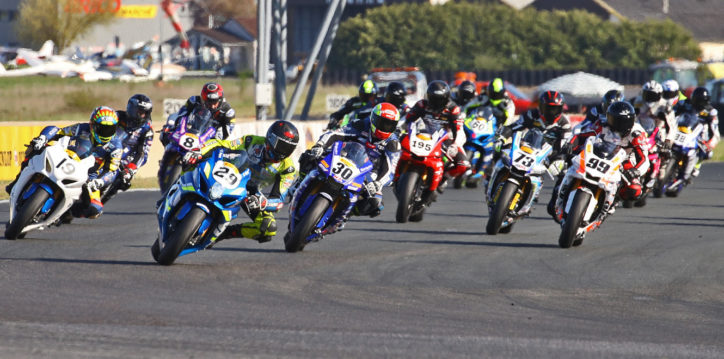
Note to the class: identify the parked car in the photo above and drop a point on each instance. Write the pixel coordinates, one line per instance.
(522, 101)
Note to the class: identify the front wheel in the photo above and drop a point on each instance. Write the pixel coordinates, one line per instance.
(500, 208)
(667, 168)
(407, 186)
(573, 220)
(29, 209)
(298, 239)
(179, 237)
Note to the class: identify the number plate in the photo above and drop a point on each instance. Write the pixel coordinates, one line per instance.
(226, 174)
(189, 141)
(481, 126)
(681, 138)
(344, 171)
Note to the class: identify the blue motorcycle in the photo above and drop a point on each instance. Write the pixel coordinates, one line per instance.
(480, 127)
(516, 180)
(199, 206)
(327, 194)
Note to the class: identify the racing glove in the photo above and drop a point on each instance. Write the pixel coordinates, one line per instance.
(95, 184)
(631, 174)
(255, 202)
(191, 158)
(38, 142)
(373, 187)
(129, 172)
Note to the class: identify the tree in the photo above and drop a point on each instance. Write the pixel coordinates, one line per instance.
(62, 21)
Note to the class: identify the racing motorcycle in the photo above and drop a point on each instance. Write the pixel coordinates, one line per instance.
(649, 179)
(420, 169)
(593, 180)
(193, 130)
(480, 127)
(199, 206)
(516, 180)
(676, 173)
(47, 188)
(327, 194)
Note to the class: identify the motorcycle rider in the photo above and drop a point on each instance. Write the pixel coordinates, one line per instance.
(652, 104)
(366, 100)
(270, 164)
(672, 95)
(396, 95)
(464, 93)
(596, 115)
(549, 118)
(700, 105)
(495, 96)
(95, 138)
(136, 135)
(437, 107)
(621, 128)
(211, 98)
(377, 134)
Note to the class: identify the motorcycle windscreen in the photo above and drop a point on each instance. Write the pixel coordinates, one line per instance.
(605, 149)
(198, 121)
(533, 138)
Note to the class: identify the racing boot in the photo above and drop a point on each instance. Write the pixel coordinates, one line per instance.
(263, 229)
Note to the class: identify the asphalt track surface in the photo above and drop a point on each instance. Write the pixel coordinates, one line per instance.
(648, 284)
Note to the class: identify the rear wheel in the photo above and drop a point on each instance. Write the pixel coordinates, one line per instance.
(179, 237)
(500, 208)
(298, 239)
(407, 186)
(28, 210)
(573, 220)
(458, 182)
(628, 203)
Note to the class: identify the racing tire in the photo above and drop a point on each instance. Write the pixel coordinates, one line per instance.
(179, 237)
(573, 220)
(506, 230)
(641, 202)
(298, 239)
(29, 209)
(458, 181)
(407, 186)
(500, 209)
(628, 203)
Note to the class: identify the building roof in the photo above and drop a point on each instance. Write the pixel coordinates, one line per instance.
(220, 36)
(704, 18)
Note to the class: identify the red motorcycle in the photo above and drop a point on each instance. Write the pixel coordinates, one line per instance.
(420, 169)
(648, 180)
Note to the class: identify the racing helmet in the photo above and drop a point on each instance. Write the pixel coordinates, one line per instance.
(367, 91)
(700, 98)
(651, 92)
(395, 93)
(466, 92)
(671, 90)
(496, 91)
(282, 138)
(620, 117)
(139, 109)
(610, 97)
(438, 95)
(103, 124)
(212, 95)
(550, 105)
(383, 121)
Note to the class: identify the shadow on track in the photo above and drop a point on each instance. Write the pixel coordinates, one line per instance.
(80, 261)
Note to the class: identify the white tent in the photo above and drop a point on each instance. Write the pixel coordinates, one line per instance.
(580, 87)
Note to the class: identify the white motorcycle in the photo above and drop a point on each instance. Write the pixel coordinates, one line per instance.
(47, 188)
(588, 190)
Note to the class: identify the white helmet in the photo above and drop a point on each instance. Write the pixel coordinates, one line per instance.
(651, 93)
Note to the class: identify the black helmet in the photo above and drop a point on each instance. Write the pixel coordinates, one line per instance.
(395, 93)
(610, 97)
(700, 98)
(139, 109)
(367, 90)
(466, 92)
(438, 94)
(620, 117)
(550, 105)
(281, 140)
